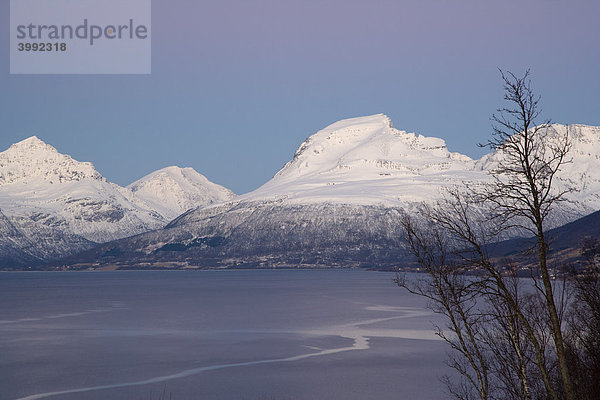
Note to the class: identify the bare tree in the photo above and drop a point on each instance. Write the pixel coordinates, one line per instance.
(515, 339)
(451, 294)
(583, 337)
(510, 336)
(510, 351)
(524, 192)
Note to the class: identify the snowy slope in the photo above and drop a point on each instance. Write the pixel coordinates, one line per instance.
(581, 172)
(12, 243)
(584, 169)
(26, 243)
(337, 202)
(367, 161)
(40, 185)
(343, 192)
(54, 205)
(171, 191)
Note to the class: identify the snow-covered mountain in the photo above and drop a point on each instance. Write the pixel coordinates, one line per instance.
(367, 161)
(338, 201)
(54, 205)
(580, 171)
(171, 191)
(39, 184)
(12, 243)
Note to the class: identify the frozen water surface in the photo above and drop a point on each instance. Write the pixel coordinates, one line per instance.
(247, 335)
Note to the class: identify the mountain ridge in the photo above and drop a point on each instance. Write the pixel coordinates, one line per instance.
(333, 204)
(364, 160)
(65, 206)
(174, 190)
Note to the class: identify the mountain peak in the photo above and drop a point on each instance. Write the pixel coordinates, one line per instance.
(177, 172)
(32, 144)
(364, 160)
(174, 190)
(173, 168)
(375, 119)
(33, 160)
(367, 145)
(31, 139)
(173, 173)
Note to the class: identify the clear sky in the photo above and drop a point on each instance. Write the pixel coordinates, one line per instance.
(237, 85)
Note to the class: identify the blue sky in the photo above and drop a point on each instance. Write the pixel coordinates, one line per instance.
(237, 85)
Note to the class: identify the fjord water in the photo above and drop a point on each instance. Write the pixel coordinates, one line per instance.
(223, 335)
